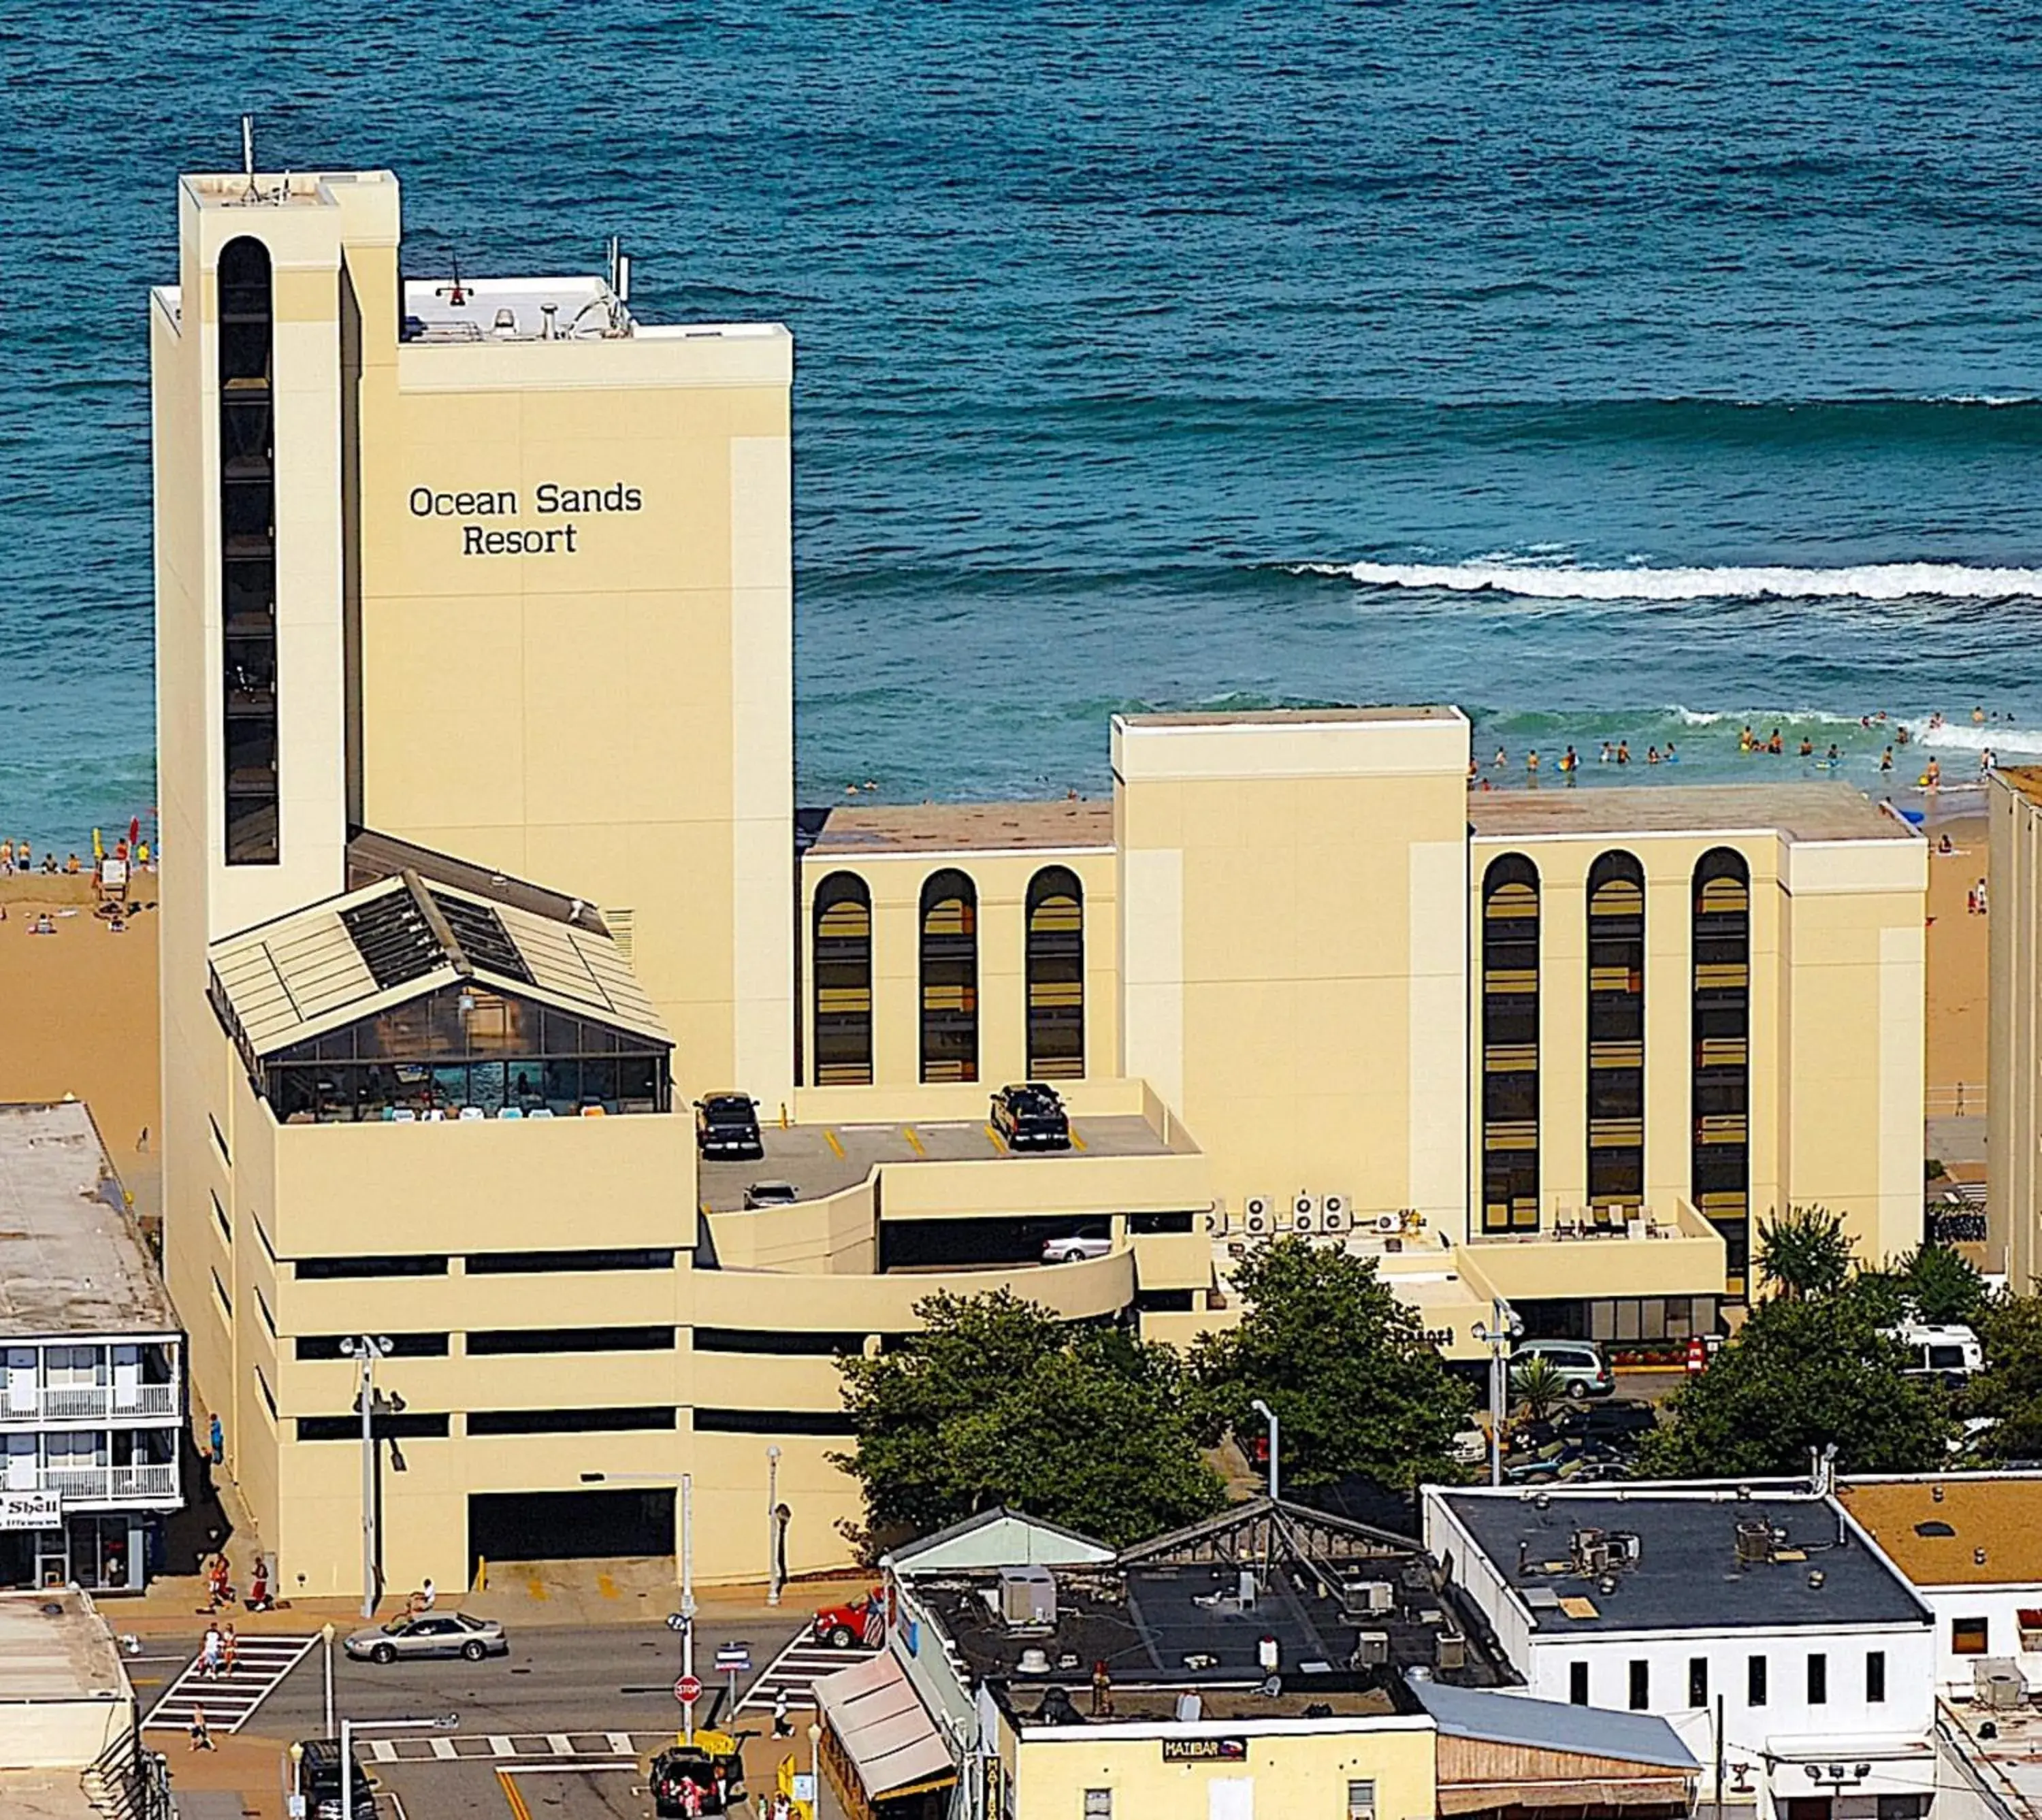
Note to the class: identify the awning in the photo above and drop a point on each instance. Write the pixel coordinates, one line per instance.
(884, 1728)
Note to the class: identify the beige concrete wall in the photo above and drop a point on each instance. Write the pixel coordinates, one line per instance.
(1297, 1767)
(895, 881)
(614, 722)
(1854, 1036)
(1293, 971)
(2013, 1065)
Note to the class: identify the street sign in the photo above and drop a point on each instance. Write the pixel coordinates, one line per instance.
(31, 1510)
(294, 1805)
(733, 1659)
(687, 1690)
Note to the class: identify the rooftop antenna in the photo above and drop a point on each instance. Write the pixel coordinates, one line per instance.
(248, 157)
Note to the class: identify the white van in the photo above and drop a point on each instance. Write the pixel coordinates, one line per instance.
(1951, 1354)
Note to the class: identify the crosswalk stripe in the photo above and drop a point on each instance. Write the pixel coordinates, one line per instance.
(517, 1751)
(797, 1668)
(230, 1700)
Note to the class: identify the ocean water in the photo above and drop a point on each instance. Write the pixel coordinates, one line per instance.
(1614, 370)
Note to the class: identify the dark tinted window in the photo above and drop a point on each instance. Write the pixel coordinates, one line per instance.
(772, 1422)
(568, 1421)
(402, 1345)
(419, 1264)
(405, 1427)
(572, 1340)
(546, 1263)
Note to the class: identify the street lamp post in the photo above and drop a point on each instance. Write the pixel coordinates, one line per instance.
(325, 1637)
(773, 1525)
(1502, 1329)
(297, 1779)
(447, 1722)
(368, 1348)
(814, 1768)
(686, 1614)
(1276, 1435)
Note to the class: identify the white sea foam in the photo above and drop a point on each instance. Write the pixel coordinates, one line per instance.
(1964, 737)
(1870, 581)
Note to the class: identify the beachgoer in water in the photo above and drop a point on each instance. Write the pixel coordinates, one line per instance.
(1745, 740)
(1498, 760)
(1903, 736)
(1568, 763)
(1978, 716)
(1833, 756)
(1987, 761)
(1807, 747)
(1623, 751)
(1935, 719)
(1886, 761)
(1532, 760)
(1774, 745)
(1672, 758)
(1608, 753)
(1933, 777)
(1652, 755)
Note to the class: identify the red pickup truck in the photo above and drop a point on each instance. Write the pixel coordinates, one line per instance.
(861, 1621)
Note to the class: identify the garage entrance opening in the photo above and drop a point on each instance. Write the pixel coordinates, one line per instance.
(569, 1525)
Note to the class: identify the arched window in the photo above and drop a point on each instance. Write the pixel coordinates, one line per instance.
(1510, 1045)
(247, 556)
(949, 978)
(1616, 1034)
(842, 969)
(1056, 975)
(1722, 1177)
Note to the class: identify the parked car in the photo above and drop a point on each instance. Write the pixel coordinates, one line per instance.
(1031, 1116)
(430, 1634)
(842, 1625)
(1072, 1247)
(1580, 1364)
(319, 1777)
(1621, 1421)
(713, 1763)
(726, 1128)
(1949, 1354)
(772, 1194)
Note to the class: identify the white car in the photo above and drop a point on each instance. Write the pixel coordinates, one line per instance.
(1582, 1368)
(1951, 1354)
(1071, 1249)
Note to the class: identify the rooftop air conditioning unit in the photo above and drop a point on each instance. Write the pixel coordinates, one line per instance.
(1304, 1213)
(1755, 1542)
(1333, 1213)
(1372, 1650)
(1027, 1598)
(1214, 1223)
(1389, 1223)
(1258, 1215)
(1360, 1598)
(1451, 1649)
(1998, 1683)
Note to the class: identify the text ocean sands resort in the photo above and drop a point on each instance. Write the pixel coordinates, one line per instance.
(474, 636)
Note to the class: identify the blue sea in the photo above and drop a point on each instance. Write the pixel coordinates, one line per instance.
(1616, 370)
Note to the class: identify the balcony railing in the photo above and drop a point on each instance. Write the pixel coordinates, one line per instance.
(39, 1405)
(107, 1484)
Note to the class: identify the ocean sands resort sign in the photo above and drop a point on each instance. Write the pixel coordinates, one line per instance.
(479, 518)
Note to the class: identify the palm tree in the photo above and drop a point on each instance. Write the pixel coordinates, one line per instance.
(1540, 1388)
(1805, 1252)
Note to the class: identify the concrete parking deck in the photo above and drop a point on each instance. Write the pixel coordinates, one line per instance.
(821, 1160)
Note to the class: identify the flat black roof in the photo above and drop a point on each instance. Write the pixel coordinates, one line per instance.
(1687, 1575)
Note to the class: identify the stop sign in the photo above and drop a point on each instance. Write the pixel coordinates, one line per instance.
(687, 1690)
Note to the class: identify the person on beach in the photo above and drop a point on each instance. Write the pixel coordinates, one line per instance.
(1933, 777)
(1532, 762)
(7, 859)
(1943, 847)
(1987, 761)
(1984, 909)
(1568, 763)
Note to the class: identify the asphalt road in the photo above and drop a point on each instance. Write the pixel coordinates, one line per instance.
(585, 1685)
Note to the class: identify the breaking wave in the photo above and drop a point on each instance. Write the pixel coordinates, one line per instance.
(1870, 581)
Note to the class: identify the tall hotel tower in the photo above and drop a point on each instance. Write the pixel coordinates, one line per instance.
(459, 585)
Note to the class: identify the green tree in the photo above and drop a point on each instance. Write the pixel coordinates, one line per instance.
(2009, 1388)
(1540, 1388)
(1805, 1252)
(1943, 1287)
(1342, 1362)
(1802, 1374)
(995, 1401)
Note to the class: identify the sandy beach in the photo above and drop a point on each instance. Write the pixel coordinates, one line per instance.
(1957, 972)
(81, 1015)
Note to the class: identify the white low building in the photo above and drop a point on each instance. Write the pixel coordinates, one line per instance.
(92, 1395)
(1762, 1624)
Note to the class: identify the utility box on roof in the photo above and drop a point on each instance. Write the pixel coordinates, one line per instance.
(1028, 1598)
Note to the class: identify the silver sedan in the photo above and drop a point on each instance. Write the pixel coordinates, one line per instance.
(431, 1634)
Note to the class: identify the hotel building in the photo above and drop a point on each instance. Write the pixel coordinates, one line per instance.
(2014, 1062)
(475, 659)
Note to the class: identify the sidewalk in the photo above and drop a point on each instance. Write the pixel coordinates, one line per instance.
(241, 1767)
(562, 1592)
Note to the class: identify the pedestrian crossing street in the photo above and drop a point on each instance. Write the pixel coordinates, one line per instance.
(229, 1700)
(797, 1668)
